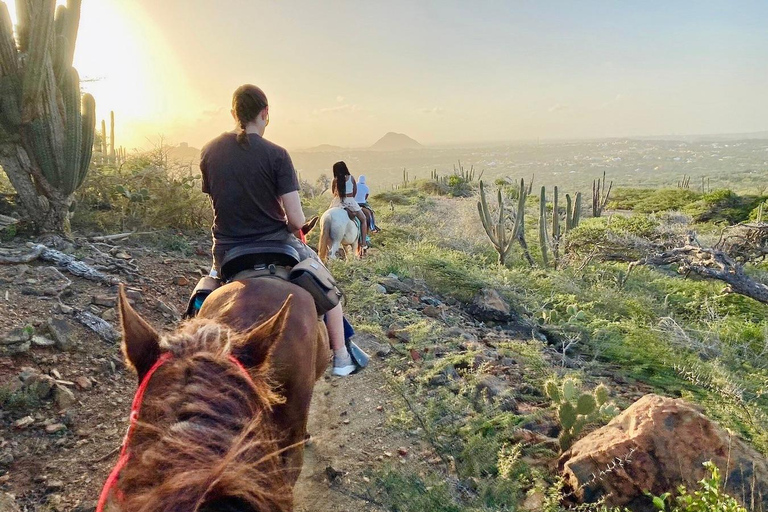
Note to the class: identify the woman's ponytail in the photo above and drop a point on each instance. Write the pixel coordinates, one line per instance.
(247, 102)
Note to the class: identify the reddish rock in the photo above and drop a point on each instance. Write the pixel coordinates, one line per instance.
(180, 281)
(655, 445)
(83, 382)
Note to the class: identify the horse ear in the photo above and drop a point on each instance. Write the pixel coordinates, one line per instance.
(141, 343)
(310, 224)
(255, 347)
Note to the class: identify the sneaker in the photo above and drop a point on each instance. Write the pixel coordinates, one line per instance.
(343, 366)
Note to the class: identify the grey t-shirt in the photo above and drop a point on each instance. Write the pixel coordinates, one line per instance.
(244, 186)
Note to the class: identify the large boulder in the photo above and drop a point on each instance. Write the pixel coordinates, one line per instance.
(489, 305)
(655, 445)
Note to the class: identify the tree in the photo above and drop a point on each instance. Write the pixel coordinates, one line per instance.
(46, 128)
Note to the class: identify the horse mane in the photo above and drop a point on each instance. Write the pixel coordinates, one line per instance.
(204, 440)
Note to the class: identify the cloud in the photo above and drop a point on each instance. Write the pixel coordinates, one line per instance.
(613, 101)
(339, 99)
(557, 107)
(338, 109)
(432, 110)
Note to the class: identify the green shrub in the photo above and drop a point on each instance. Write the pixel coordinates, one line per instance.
(144, 193)
(724, 206)
(710, 498)
(666, 199)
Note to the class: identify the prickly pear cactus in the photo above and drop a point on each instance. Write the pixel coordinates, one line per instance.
(576, 409)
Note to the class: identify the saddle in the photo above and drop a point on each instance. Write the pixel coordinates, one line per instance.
(270, 260)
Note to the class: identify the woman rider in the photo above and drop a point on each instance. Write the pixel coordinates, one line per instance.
(344, 190)
(254, 192)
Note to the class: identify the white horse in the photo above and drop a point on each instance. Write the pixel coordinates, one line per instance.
(336, 231)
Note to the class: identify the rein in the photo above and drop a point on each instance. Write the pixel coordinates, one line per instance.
(138, 398)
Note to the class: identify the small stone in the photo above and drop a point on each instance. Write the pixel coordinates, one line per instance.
(180, 281)
(64, 397)
(379, 408)
(346, 422)
(432, 312)
(60, 331)
(19, 348)
(167, 310)
(104, 300)
(55, 427)
(64, 309)
(17, 335)
(110, 315)
(40, 385)
(6, 458)
(23, 422)
(83, 382)
(134, 294)
(123, 255)
(379, 288)
(42, 341)
(402, 451)
(56, 373)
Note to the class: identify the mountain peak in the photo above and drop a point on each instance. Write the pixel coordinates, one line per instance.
(395, 141)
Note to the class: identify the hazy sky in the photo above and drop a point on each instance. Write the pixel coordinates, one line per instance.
(346, 72)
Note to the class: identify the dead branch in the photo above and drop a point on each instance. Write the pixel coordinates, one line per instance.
(710, 264)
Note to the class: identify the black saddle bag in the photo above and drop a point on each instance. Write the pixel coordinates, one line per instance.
(318, 281)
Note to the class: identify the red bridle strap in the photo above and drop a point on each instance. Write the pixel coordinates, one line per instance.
(125, 455)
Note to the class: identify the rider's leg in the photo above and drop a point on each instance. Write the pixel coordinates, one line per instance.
(367, 214)
(342, 361)
(363, 226)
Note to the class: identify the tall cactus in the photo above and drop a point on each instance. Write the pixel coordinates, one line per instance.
(600, 193)
(497, 231)
(112, 154)
(46, 127)
(543, 238)
(556, 228)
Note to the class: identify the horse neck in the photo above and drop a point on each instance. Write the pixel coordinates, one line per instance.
(204, 436)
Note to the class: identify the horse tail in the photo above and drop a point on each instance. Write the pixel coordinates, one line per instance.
(325, 237)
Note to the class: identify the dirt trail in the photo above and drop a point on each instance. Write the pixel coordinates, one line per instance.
(348, 427)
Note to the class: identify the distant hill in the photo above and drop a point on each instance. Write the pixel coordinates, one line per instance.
(184, 153)
(324, 148)
(394, 142)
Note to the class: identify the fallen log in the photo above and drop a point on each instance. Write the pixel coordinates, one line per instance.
(710, 264)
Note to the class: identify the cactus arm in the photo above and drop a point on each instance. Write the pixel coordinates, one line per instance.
(22, 24)
(543, 242)
(38, 64)
(73, 132)
(103, 138)
(112, 138)
(577, 210)
(555, 228)
(88, 125)
(485, 215)
(8, 53)
(568, 213)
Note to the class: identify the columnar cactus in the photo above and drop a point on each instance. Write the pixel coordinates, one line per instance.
(543, 237)
(497, 231)
(46, 128)
(572, 212)
(575, 409)
(600, 195)
(112, 154)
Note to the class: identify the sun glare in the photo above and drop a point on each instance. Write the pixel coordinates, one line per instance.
(128, 67)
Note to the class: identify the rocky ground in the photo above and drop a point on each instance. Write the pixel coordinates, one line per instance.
(68, 391)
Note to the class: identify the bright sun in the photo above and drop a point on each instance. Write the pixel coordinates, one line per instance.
(127, 66)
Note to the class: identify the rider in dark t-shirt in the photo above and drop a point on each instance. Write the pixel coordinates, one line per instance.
(254, 193)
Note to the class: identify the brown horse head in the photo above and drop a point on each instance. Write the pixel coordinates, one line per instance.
(206, 437)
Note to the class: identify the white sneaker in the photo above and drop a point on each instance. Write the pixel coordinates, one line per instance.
(343, 366)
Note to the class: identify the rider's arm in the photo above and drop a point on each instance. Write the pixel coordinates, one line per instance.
(292, 206)
(354, 187)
